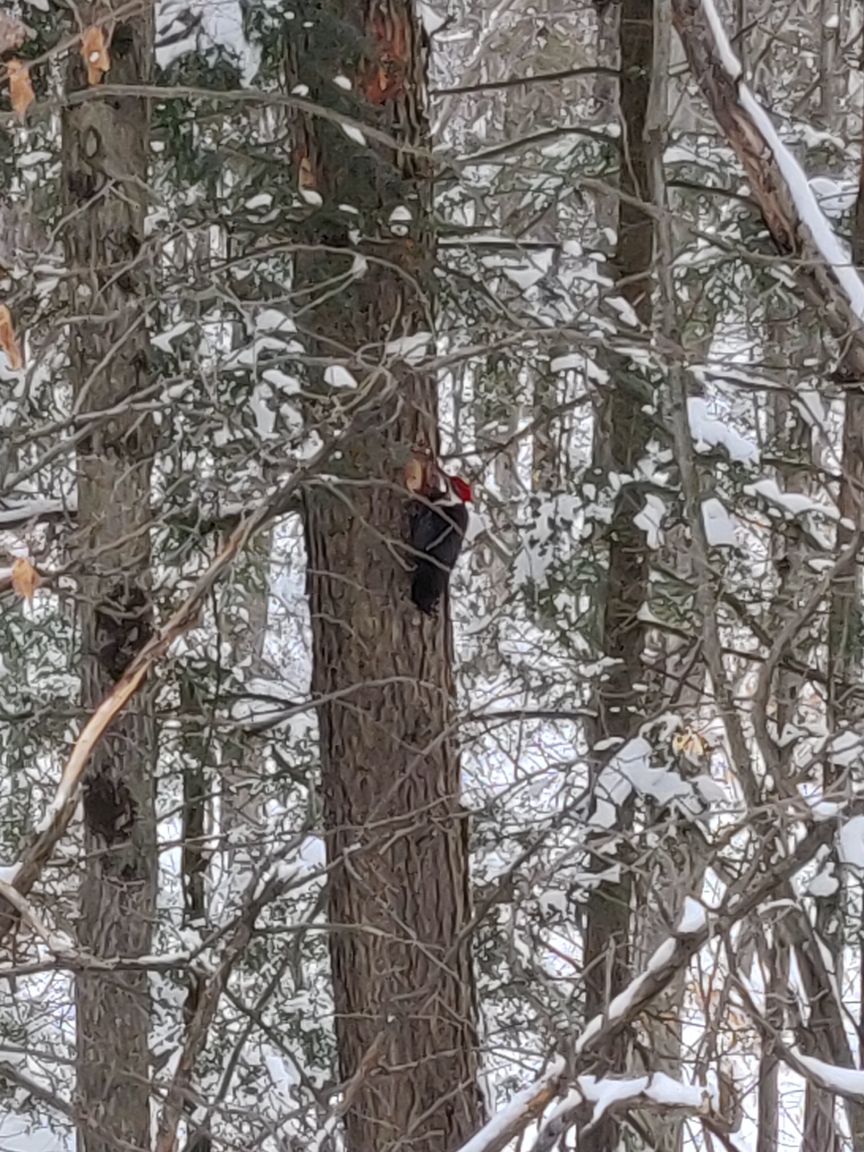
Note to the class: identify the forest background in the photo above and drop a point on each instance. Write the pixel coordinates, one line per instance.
(576, 863)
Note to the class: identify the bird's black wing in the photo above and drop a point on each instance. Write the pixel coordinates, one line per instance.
(432, 528)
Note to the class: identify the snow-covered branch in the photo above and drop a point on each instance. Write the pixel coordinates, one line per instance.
(694, 931)
(597, 1097)
(779, 186)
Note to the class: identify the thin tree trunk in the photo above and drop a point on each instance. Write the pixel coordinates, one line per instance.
(676, 867)
(844, 666)
(244, 624)
(105, 162)
(831, 65)
(396, 834)
(620, 440)
(790, 442)
(194, 856)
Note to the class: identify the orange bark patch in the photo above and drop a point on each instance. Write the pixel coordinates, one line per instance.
(20, 88)
(7, 340)
(94, 52)
(25, 579)
(387, 77)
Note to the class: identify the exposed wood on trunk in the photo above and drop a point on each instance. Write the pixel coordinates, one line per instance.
(105, 167)
(395, 831)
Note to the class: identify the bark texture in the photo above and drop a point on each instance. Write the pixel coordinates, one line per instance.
(105, 160)
(396, 834)
(620, 439)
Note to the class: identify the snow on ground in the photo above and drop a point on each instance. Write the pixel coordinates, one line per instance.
(17, 1135)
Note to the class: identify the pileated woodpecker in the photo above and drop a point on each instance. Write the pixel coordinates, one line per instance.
(438, 526)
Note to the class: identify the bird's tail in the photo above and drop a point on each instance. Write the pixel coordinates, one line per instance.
(427, 586)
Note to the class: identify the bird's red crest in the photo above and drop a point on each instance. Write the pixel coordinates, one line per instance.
(462, 489)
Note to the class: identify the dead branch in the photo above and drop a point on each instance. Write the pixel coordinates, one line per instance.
(62, 808)
(722, 91)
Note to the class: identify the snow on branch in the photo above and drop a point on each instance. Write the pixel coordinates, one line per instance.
(198, 1028)
(25, 514)
(848, 1082)
(525, 1107)
(595, 1098)
(777, 181)
(834, 1078)
(694, 930)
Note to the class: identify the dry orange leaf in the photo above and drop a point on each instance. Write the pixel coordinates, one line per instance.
(25, 579)
(94, 50)
(7, 340)
(20, 88)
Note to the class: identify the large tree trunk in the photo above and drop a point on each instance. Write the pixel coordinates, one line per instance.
(103, 237)
(395, 831)
(620, 440)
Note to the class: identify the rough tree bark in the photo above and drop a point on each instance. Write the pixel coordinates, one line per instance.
(105, 161)
(620, 439)
(395, 831)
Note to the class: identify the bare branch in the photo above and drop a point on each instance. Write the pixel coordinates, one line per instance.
(62, 808)
(742, 898)
(199, 1025)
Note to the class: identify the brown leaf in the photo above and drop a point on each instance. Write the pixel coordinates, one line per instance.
(94, 51)
(25, 579)
(20, 88)
(7, 340)
(12, 32)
